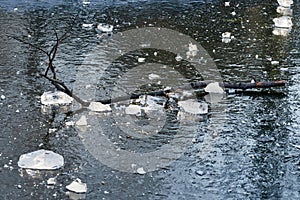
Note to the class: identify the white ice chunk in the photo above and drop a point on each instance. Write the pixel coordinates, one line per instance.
(284, 10)
(194, 107)
(2, 97)
(281, 31)
(133, 109)
(141, 171)
(283, 22)
(226, 37)
(87, 26)
(77, 186)
(153, 76)
(51, 181)
(227, 3)
(178, 58)
(105, 28)
(55, 98)
(214, 88)
(193, 50)
(140, 60)
(99, 107)
(86, 2)
(41, 159)
(82, 121)
(70, 123)
(285, 3)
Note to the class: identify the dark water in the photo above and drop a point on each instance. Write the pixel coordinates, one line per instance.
(243, 149)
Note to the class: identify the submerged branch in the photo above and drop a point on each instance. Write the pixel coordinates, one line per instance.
(195, 86)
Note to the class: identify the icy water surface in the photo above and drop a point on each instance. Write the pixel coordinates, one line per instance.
(246, 147)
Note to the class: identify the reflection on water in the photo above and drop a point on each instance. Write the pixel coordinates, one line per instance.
(247, 156)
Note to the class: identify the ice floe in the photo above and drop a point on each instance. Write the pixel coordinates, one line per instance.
(194, 107)
(82, 121)
(56, 98)
(104, 28)
(77, 186)
(214, 88)
(227, 37)
(99, 107)
(285, 3)
(41, 159)
(192, 50)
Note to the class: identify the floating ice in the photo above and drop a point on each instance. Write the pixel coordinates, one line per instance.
(51, 181)
(133, 109)
(283, 22)
(193, 50)
(2, 97)
(70, 123)
(77, 186)
(99, 107)
(86, 2)
(105, 28)
(55, 98)
(227, 3)
(88, 26)
(285, 3)
(153, 76)
(283, 25)
(226, 37)
(41, 159)
(274, 62)
(214, 88)
(82, 121)
(178, 58)
(281, 31)
(194, 107)
(140, 60)
(284, 10)
(141, 171)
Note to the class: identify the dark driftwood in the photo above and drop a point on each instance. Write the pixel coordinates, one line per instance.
(198, 85)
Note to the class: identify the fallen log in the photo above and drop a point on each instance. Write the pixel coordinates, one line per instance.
(195, 86)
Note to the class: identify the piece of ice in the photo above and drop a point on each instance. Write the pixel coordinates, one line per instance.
(194, 107)
(178, 58)
(193, 50)
(51, 181)
(227, 3)
(153, 76)
(87, 26)
(70, 123)
(226, 37)
(86, 2)
(283, 22)
(82, 121)
(140, 60)
(99, 107)
(274, 62)
(282, 31)
(285, 3)
(2, 97)
(77, 186)
(105, 28)
(133, 109)
(284, 10)
(56, 98)
(41, 159)
(214, 88)
(141, 171)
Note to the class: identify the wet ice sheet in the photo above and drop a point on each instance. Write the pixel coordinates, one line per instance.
(41, 159)
(56, 98)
